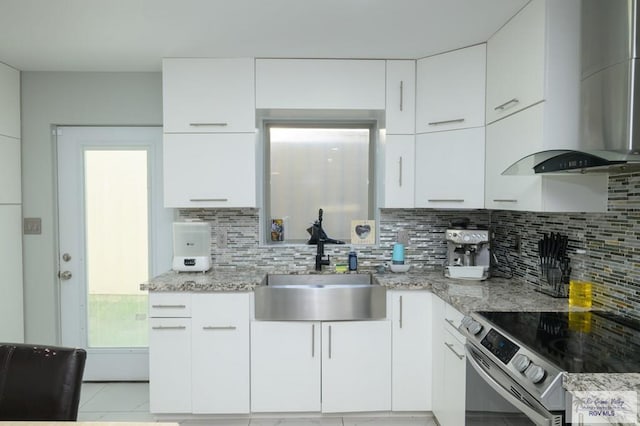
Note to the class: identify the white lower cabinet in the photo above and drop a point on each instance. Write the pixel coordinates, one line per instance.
(329, 367)
(411, 350)
(199, 353)
(285, 366)
(356, 366)
(170, 365)
(220, 353)
(449, 365)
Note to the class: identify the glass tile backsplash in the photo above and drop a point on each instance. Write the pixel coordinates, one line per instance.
(611, 241)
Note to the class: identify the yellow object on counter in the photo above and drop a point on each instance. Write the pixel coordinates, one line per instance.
(580, 293)
(341, 267)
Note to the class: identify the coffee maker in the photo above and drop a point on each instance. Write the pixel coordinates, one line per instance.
(468, 254)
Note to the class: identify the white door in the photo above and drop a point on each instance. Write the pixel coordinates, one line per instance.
(113, 235)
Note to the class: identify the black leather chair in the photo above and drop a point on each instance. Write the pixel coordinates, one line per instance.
(40, 382)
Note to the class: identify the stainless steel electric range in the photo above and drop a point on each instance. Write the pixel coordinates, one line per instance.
(521, 357)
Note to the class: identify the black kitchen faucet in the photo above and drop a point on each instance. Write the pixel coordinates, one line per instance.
(319, 237)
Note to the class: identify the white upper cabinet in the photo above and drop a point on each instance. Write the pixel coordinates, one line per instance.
(10, 178)
(399, 171)
(450, 169)
(451, 90)
(320, 84)
(516, 62)
(401, 97)
(9, 101)
(210, 170)
(208, 95)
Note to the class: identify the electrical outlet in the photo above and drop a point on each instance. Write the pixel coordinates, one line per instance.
(221, 238)
(517, 245)
(403, 237)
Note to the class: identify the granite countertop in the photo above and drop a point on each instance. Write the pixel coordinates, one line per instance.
(495, 294)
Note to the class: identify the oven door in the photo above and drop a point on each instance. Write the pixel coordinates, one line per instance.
(493, 397)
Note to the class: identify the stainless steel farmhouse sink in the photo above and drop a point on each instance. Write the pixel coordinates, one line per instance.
(320, 297)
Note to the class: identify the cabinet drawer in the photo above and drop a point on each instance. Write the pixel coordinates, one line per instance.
(170, 305)
(452, 320)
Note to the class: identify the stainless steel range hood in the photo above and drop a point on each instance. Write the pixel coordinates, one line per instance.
(609, 139)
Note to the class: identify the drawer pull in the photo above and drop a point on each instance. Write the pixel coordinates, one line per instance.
(199, 200)
(507, 105)
(450, 346)
(451, 323)
(219, 327)
(169, 306)
(504, 200)
(208, 124)
(445, 200)
(169, 327)
(438, 123)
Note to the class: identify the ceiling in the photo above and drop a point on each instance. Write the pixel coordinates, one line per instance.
(133, 35)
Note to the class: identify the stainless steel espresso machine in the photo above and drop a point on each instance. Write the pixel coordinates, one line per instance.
(468, 254)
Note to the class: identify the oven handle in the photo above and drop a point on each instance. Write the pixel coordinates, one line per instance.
(540, 418)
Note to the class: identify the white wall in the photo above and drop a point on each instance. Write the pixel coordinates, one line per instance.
(66, 98)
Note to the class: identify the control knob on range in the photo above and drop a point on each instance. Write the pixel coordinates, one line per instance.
(521, 362)
(535, 373)
(473, 326)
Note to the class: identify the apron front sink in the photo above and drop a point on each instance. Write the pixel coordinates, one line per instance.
(321, 297)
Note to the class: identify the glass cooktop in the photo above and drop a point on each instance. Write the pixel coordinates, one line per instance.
(577, 342)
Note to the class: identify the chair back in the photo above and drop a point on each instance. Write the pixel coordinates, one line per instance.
(40, 382)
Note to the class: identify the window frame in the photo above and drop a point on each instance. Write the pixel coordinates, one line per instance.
(374, 131)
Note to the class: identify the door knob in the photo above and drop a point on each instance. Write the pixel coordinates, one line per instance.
(65, 275)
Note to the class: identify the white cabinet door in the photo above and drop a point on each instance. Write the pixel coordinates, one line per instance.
(210, 170)
(320, 84)
(451, 90)
(10, 178)
(412, 351)
(208, 95)
(285, 366)
(170, 365)
(356, 366)
(9, 101)
(438, 378)
(450, 169)
(220, 353)
(516, 63)
(399, 171)
(401, 97)
(454, 389)
(11, 302)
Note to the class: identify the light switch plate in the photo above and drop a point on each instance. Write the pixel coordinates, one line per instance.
(32, 226)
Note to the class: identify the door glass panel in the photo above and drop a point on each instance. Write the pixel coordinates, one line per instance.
(117, 212)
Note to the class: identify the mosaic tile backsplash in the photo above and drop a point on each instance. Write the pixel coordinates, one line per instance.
(611, 242)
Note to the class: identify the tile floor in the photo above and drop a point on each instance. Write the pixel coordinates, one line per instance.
(130, 402)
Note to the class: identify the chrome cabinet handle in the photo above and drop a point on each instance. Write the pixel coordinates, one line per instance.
(446, 200)
(169, 327)
(508, 104)
(313, 340)
(400, 171)
(451, 323)
(438, 123)
(195, 200)
(401, 94)
(329, 342)
(209, 124)
(450, 346)
(504, 200)
(400, 322)
(219, 327)
(169, 306)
